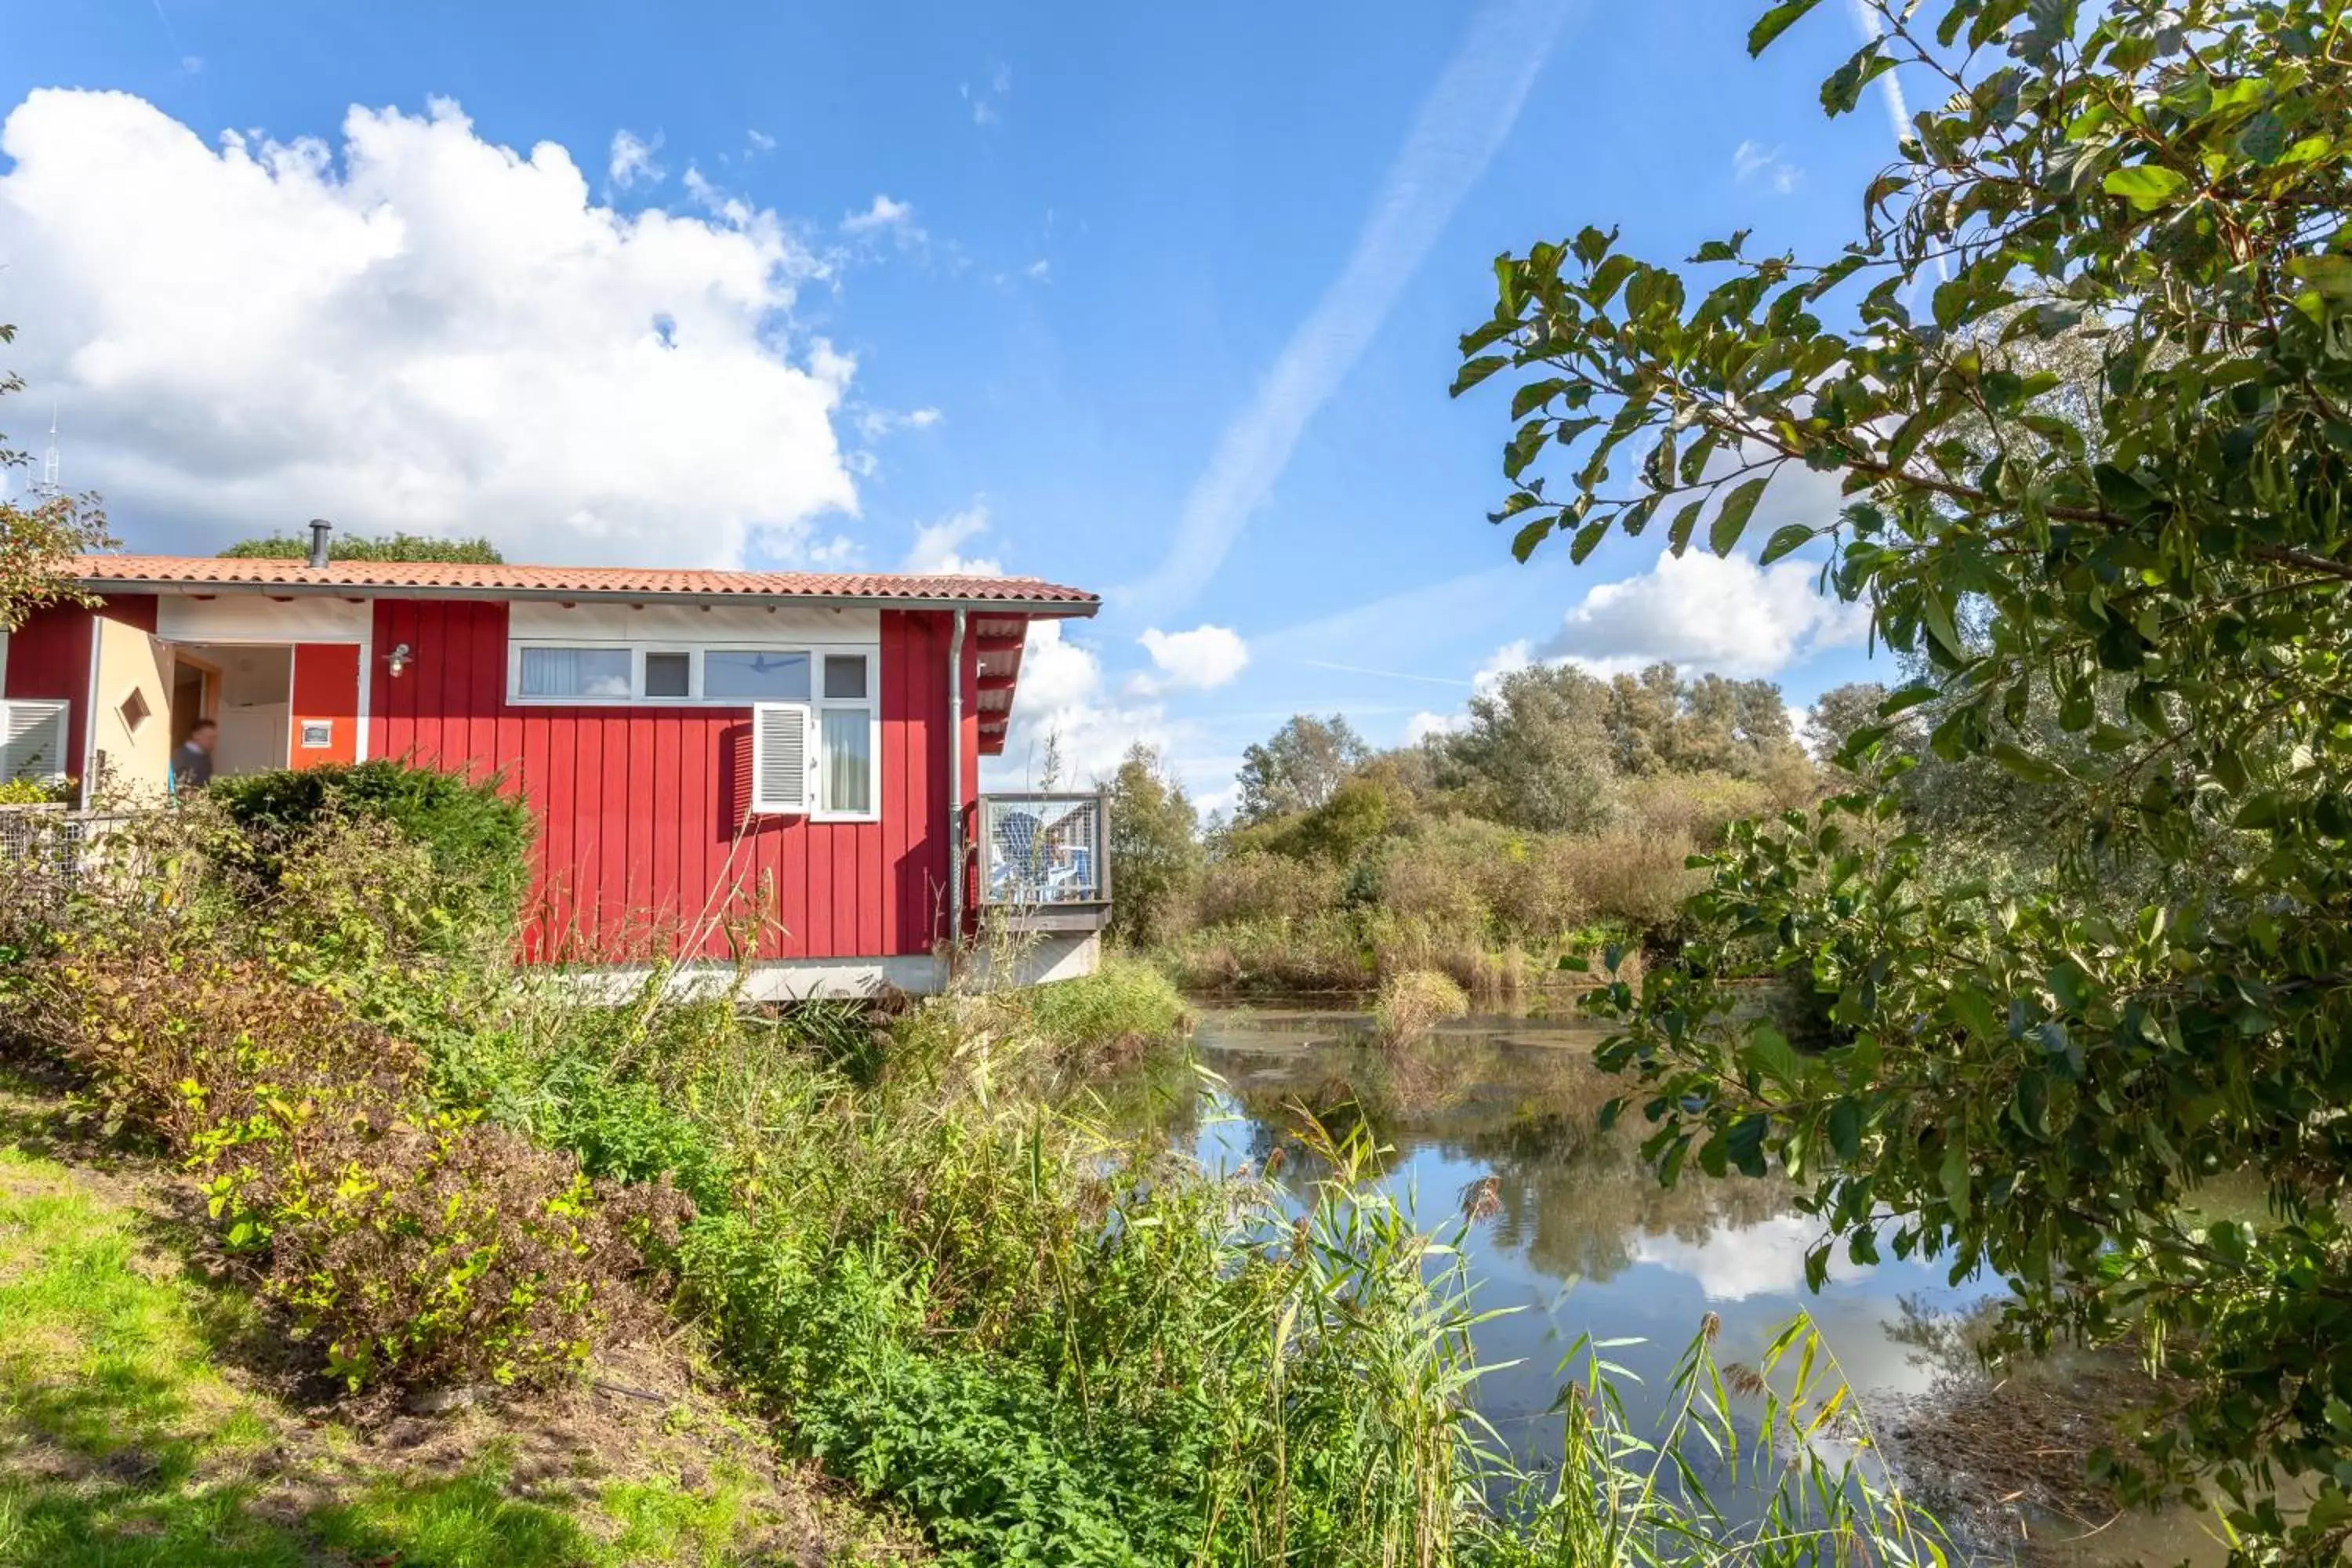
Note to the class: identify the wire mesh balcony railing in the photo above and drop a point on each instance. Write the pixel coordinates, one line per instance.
(1043, 849)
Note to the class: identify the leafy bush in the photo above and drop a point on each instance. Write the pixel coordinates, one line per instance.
(1256, 884)
(1125, 1003)
(1696, 808)
(479, 836)
(1638, 881)
(29, 792)
(415, 1242)
(1411, 1002)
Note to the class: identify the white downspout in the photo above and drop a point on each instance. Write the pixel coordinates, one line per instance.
(955, 784)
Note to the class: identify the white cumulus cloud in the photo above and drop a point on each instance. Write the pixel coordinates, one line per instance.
(1062, 695)
(415, 329)
(1201, 659)
(1724, 614)
(937, 545)
(633, 160)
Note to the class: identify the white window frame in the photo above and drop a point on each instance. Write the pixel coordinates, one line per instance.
(871, 704)
(817, 703)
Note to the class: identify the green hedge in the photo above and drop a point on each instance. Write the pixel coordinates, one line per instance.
(480, 837)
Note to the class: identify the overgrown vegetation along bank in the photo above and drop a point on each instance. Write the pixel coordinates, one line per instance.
(956, 1296)
(146, 1418)
(1556, 822)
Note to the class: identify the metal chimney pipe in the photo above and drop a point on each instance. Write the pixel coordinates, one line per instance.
(320, 529)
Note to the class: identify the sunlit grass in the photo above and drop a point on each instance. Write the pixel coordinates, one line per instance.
(123, 1444)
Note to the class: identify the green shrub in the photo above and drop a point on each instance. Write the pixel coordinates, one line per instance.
(1411, 1002)
(1696, 808)
(1633, 879)
(30, 792)
(1124, 1003)
(479, 836)
(1256, 884)
(413, 1242)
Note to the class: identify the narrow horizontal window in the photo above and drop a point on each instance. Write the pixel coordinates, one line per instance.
(669, 675)
(601, 674)
(755, 675)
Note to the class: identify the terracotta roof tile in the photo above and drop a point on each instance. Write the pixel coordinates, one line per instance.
(412, 577)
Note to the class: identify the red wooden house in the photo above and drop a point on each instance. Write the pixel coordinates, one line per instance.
(795, 756)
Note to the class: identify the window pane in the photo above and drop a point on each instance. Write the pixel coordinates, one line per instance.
(844, 675)
(751, 675)
(848, 760)
(594, 672)
(668, 674)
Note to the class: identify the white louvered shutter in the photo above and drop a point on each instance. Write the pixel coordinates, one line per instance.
(32, 739)
(783, 778)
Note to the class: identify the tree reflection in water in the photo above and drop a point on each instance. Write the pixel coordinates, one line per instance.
(1520, 1098)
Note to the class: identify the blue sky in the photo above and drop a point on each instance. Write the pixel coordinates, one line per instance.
(1162, 303)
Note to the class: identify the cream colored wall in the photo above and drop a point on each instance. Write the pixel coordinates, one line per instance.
(605, 620)
(257, 617)
(131, 760)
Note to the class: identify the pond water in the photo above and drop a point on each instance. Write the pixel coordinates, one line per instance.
(1582, 1240)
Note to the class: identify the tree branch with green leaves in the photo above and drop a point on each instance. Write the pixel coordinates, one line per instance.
(2081, 381)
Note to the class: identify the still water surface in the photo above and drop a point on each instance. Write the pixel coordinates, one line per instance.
(1585, 1241)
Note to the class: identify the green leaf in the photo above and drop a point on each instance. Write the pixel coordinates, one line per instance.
(1476, 371)
(1534, 396)
(2024, 764)
(1679, 533)
(1786, 538)
(1775, 22)
(1935, 614)
(2146, 186)
(1953, 1176)
(1732, 520)
(1845, 1131)
(1524, 542)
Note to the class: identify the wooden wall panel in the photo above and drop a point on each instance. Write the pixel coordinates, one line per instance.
(641, 831)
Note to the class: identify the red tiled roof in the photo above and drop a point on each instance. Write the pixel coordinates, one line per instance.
(1031, 594)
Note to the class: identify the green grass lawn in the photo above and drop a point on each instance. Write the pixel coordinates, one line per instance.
(127, 1436)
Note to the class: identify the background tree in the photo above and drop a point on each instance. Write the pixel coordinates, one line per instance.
(1535, 751)
(40, 533)
(2130, 586)
(396, 546)
(1297, 767)
(1155, 849)
(1838, 713)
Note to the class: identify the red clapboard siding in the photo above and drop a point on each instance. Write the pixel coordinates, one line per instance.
(48, 658)
(642, 832)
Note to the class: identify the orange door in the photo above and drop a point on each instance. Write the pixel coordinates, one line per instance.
(325, 724)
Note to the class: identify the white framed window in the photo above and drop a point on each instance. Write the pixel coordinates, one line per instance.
(849, 737)
(755, 674)
(578, 673)
(835, 690)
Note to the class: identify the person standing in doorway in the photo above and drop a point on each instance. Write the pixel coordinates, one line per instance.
(192, 764)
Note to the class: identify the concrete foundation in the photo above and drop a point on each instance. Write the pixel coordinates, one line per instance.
(1037, 960)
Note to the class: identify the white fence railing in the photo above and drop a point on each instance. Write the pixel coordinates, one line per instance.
(1039, 849)
(33, 741)
(54, 843)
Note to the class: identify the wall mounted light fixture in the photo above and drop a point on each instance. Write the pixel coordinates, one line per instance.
(398, 658)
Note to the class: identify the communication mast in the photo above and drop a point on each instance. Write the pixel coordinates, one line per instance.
(49, 489)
